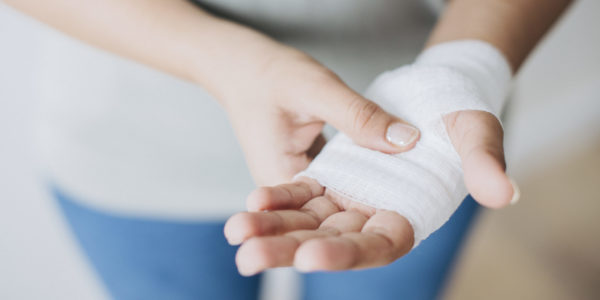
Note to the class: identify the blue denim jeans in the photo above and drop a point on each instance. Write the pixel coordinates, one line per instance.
(144, 258)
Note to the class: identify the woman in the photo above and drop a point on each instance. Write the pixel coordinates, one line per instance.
(141, 225)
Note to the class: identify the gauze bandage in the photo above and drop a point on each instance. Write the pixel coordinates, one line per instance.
(425, 184)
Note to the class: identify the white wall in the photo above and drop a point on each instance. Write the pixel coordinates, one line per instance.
(38, 258)
(556, 107)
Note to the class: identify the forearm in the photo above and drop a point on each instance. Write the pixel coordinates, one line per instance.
(171, 35)
(512, 26)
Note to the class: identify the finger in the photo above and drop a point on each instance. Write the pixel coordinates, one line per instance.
(344, 221)
(316, 147)
(242, 226)
(284, 196)
(366, 123)
(336, 224)
(477, 136)
(261, 253)
(321, 208)
(383, 239)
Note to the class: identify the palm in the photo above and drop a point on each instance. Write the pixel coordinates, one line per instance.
(314, 229)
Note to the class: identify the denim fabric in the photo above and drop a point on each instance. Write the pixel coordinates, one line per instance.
(143, 258)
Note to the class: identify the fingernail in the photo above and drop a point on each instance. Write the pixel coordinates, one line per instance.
(516, 192)
(401, 134)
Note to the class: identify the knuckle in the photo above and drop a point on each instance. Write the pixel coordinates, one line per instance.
(304, 190)
(317, 79)
(363, 113)
(247, 220)
(259, 198)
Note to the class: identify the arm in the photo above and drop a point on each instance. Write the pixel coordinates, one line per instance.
(514, 27)
(173, 36)
(326, 231)
(277, 98)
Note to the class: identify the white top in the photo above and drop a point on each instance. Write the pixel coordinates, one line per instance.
(127, 139)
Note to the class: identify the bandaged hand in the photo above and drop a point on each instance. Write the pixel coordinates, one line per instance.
(355, 208)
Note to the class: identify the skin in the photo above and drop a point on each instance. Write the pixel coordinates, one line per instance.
(301, 223)
(280, 92)
(304, 225)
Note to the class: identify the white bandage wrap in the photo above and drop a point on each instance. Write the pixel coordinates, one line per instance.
(425, 184)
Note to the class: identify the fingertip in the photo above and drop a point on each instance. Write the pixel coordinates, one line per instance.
(369, 126)
(258, 254)
(323, 254)
(236, 228)
(499, 194)
(402, 136)
(478, 137)
(251, 258)
(397, 137)
(259, 199)
(496, 192)
(305, 259)
(487, 182)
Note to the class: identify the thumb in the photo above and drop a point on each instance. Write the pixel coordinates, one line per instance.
(477, 137)
(367, 124)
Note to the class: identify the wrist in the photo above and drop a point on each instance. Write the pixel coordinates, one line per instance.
(479, 61)
(232, 58)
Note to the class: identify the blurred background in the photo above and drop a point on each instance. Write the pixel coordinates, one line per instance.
(546, 247)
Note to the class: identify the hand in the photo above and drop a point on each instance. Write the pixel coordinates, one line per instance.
(278, 113)
(314, 229)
